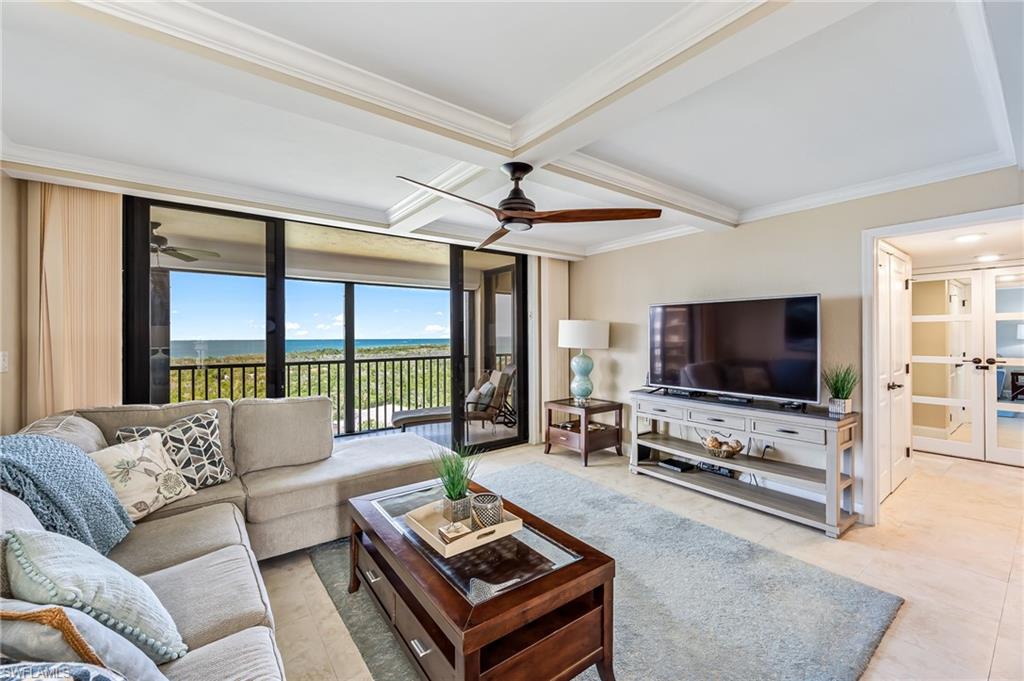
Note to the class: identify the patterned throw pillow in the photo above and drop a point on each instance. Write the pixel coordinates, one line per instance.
(143, 475)
(194, 443)
(49, 568)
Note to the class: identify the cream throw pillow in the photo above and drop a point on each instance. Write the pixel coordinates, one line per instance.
(143, 475)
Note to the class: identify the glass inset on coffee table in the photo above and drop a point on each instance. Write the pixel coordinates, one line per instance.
(481, 573)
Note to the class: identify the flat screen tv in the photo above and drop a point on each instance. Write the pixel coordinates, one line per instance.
(765, 348)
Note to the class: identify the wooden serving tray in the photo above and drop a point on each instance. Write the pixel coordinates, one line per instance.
(426, 520)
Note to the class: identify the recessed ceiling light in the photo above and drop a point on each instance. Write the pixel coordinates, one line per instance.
(1010, 277)
(967, 238)
(987, 258)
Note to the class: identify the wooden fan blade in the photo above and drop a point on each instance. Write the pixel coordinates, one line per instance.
(495, 235)
(455, 197)
(195, 252)
(587, 214)
(175, 253)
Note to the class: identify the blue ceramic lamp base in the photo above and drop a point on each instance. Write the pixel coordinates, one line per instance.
(581, 386)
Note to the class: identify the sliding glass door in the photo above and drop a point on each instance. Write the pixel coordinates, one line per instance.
(229, 305)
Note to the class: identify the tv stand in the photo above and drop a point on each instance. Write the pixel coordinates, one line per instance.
(779, 485)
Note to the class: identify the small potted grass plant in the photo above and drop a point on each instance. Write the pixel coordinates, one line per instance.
(840, 381)
(455, 469)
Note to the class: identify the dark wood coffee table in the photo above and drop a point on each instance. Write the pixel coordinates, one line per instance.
(553, 622)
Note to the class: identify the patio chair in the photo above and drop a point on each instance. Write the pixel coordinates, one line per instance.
(498, 411)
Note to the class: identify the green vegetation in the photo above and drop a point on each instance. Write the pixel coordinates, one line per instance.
(841, 380)
(387, 379)
(455, 469)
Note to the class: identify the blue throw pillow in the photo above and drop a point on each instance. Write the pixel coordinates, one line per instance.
(49, 568)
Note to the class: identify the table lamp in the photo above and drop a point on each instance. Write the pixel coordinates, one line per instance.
(585, 335)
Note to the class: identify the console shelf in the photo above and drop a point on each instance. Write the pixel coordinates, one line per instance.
(813, 433)
(804, 476)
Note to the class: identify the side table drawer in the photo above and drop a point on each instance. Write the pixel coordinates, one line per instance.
(710, 418)
(656, 409)
(374, 577)
(563, 437)
(430, 658)
(790, 432)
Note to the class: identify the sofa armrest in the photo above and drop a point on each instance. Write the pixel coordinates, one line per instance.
(281, 432)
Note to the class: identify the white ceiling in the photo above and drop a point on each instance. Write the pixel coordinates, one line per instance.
(523, 53)
(867, 98)
(719, 113)
(940, 249)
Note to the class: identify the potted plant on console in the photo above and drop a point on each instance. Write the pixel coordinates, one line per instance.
(840, 381)
(455, 469)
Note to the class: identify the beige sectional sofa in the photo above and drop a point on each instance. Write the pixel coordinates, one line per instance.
(290, 491)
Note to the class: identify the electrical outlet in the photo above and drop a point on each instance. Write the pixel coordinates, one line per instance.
(4, 362)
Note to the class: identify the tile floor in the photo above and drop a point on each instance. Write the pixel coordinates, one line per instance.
(950, 542)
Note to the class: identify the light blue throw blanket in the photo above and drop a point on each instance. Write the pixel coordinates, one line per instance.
(65, 489)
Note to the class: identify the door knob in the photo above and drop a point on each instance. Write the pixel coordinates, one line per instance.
(976, 360)
(894, 386)
(992, 360)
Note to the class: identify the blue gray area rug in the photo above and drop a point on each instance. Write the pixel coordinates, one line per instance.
(691, 601)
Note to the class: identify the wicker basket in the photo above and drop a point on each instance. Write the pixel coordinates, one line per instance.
(723, 451)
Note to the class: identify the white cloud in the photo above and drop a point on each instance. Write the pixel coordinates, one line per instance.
(323, 327)
(339, 320)
(291, 326)
(301, 332)
(439, 313)
(435, 329)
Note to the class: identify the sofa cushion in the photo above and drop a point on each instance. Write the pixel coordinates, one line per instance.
(194, 443)
(249, 655)
(80, 432)
(230, 492)
(164, 542)
(283, 432)
(213, 596)
(14, 514)
(110, 419)
(356, 467)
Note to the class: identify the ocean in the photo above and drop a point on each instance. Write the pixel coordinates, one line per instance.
(211, 349)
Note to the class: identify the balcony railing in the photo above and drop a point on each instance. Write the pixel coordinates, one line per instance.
(381, 386)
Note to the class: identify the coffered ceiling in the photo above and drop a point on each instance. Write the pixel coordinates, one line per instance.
(719, 113)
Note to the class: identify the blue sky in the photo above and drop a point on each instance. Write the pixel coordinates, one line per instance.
(229, 307)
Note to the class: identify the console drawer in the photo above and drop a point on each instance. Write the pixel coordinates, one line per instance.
(710, 418)
(658, 410)
(373, 576)
(789, 431)
(426, 652)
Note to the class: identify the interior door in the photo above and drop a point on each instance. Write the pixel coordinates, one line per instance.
(1003, 365)
(947, 338)
(894, 447)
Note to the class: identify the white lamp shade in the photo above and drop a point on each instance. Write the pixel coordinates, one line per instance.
(582, 333)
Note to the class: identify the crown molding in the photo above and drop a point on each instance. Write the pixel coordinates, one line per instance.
(208, 29)
(680, 32)
(986, 70)
(33, 163)
(629, 183)
(640, 239)
(450, 179)
(893, 183)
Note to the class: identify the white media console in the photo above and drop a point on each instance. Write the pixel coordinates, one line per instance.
(764, 481)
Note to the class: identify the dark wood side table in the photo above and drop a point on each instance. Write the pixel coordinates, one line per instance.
(580, 435)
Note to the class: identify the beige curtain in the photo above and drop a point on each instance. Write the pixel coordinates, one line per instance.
(73, 299)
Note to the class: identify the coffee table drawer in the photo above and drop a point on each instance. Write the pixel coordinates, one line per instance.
(427, 653)
(374, 576)
(790, 432)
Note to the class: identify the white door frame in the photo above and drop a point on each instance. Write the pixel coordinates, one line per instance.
(869, 309)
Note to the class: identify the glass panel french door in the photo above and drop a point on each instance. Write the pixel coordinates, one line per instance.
(947, 348)
(1004, 359)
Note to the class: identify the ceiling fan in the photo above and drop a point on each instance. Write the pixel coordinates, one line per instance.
(517, 213)
(158, 244)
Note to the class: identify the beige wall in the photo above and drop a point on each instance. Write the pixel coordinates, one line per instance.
(814, 251)
(11, 297)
